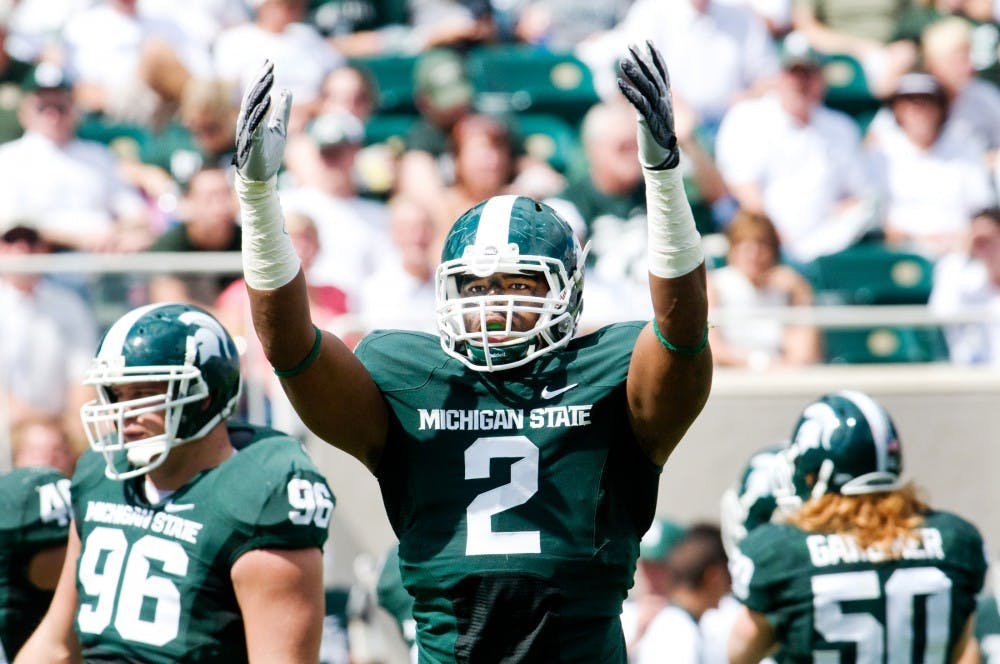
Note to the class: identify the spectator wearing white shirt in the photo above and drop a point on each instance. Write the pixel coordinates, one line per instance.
(698, 564)
(400, 293)
(790, 158)
(128, 66)
(321, 184)
(47, 338)
(653, 582)
(718, 52)
(968, 281)
(302, 57)
(974, 102)
(933, 173)
(69, 187)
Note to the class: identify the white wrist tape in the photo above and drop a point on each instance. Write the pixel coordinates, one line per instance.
(673, 243)
(269, 258)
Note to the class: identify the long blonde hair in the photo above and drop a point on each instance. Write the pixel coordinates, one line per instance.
(884, 520)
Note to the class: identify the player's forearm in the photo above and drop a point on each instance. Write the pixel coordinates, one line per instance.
(279, 299)
(46, 647)
(676, 262)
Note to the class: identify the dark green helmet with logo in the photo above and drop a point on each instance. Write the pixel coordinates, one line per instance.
(512, 235)
(845, 443)
(180, 346)
(752, 501)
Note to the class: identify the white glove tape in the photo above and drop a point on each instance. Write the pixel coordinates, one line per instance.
(269, 258)
(673, 242)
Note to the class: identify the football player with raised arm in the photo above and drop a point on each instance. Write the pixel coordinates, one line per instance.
(859, 568)
(195, 538)
(518, 464)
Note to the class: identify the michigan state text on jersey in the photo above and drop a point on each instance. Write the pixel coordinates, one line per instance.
(191, 535)
(154, 579)
(34, 517)
(514, 513)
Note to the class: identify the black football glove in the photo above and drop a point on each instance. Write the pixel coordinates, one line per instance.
(260, 146)
(646, 84)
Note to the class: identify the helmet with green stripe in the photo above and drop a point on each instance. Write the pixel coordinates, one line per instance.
(508, 235)
(844, 443)
(187, 356)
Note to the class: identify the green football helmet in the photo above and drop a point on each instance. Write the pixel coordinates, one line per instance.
(508, 235)
(846, 443)
(184, 348)
(752, 501)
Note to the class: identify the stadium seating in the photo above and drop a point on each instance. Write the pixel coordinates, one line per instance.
(871, 273)
(518, 78)
(847, 90)
(884, 345)
(550, 138)
(393, 75)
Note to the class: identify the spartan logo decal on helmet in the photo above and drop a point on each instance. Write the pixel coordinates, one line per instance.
(752, 501)
(184, 348)
(509, 235)
(846, 443)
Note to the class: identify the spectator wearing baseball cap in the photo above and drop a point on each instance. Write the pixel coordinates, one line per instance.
(321, 182)
(443, 95)
(70, 187)
(933, 173)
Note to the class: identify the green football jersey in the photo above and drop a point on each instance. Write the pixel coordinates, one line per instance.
(988, 629)
(154, 580)
(34, 516)
(518, 497)
(829, 600)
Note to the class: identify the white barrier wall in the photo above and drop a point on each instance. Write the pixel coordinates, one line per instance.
(948, 420)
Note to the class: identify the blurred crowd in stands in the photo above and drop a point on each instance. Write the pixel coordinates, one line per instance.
(810, 129)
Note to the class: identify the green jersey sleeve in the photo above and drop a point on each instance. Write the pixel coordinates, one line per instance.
(39, 504)
(277, 497)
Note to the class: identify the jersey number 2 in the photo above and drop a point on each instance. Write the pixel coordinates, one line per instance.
(481, 539)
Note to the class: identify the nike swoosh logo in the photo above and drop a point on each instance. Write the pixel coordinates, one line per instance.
(174, 507)
(548, 394)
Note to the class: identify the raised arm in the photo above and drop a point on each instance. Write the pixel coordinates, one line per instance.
(330, 389)
(671, 371)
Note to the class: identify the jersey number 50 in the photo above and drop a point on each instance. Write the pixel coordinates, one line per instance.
(902, 588)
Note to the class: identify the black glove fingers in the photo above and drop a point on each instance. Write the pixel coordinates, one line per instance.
(257, 114)
(652, 83)
(635, 97)
(263, 81)
(638, 77)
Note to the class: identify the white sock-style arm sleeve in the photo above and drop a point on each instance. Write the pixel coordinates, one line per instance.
(673, 243)
(269, 258)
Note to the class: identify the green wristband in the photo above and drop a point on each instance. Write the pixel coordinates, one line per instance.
(686, 351)
(304, 364)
